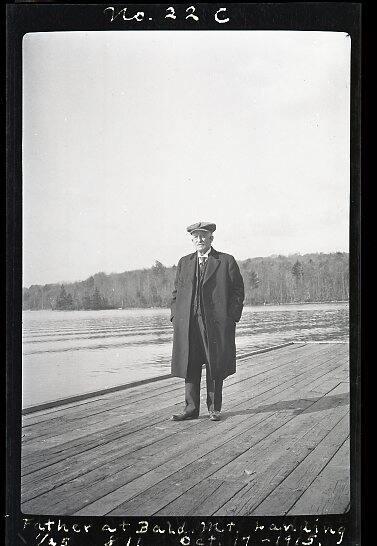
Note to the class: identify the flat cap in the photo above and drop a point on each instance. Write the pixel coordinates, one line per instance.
(202, 226)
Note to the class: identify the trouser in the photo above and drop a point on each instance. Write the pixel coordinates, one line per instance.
(198, 355)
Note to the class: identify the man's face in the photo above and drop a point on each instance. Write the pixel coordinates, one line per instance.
(202, 240)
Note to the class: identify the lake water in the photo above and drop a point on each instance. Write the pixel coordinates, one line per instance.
(66, 353)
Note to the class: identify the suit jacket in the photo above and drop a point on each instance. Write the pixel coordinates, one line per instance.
(223, 295)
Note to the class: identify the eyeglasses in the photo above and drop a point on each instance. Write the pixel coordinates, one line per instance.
(201, 236)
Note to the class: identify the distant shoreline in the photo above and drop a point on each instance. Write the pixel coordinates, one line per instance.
(247, 305)
(279, 280)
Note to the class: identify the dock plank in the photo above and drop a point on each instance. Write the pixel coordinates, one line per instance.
(60, 446)
(122, 402)
(277, 419)
(128, 396)
(253, 446)
(75, 486)
(284, 428)
(329, 493)
(258, 471)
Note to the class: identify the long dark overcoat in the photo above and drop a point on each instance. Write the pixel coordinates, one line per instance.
(223, 295)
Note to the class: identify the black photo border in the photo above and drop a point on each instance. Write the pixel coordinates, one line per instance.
(22, 18)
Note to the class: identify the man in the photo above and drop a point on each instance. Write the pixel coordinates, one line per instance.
(206, 304)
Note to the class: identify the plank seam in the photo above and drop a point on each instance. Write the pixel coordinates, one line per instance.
(323, 468)
(247, 485)
(230, 440)
(163, 417)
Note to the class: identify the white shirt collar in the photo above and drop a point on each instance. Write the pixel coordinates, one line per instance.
(206, 254)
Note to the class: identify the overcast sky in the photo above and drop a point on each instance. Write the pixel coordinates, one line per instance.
(131, 136)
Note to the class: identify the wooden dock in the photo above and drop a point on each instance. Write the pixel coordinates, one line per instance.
(282, 446)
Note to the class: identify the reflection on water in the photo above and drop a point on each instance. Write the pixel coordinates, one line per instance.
(73, 352)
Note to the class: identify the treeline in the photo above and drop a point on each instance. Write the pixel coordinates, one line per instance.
(274, 279)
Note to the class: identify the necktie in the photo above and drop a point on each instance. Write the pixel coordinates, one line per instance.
(202, 262)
